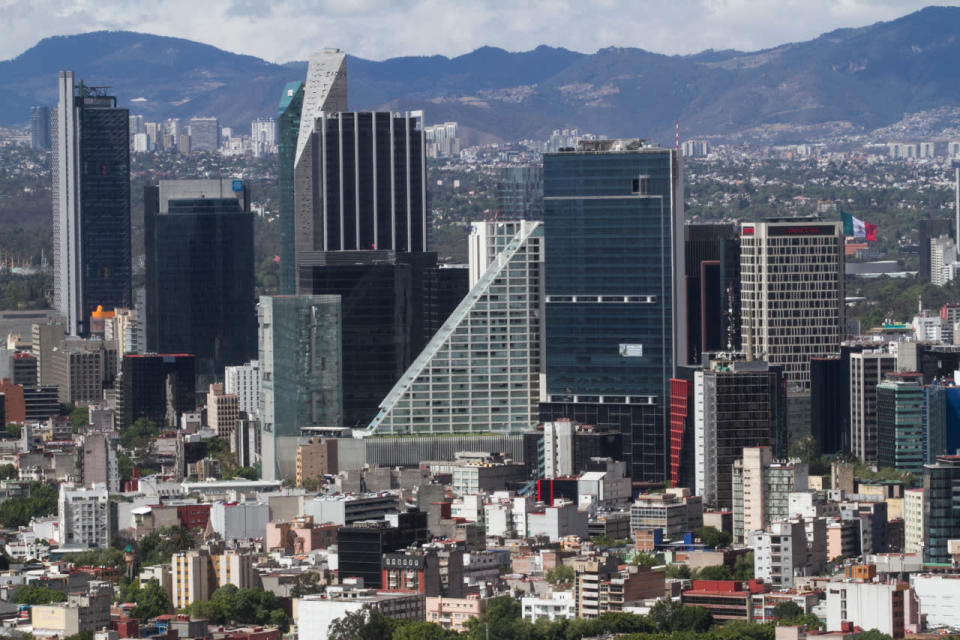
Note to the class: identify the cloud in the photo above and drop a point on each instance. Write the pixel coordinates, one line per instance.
(280, 31)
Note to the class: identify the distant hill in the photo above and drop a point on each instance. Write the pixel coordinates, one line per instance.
(848, 79)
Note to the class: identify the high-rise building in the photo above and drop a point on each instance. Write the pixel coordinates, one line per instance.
(244, 382)
(900, 422)
(520, 193)
(913, 520)
(198, 239)
(204, 134)
(263, 131)
(40, 127)
(288, 129)
(712, 256)
(84, 515)
(158, 387)
(867, 370)
(737, 404)
(481, 371)
(91, 203)
(941, 420)
(301, 380)
(792, 295)
(761, 490)
(198, 573)
(930, 229)
(98, 460)
(222, 411)
(78, 374)
(830, 400)
(943, 255)
(361, 546)
(941, 507)
(441, 140)
(614, 300)
(558, 449)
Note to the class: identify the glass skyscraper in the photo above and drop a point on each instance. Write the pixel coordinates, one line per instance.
(300, 384)
(615, 318)
(288, 128)
(941, 508)
(198, 236)
(91, 203)
(480, 372)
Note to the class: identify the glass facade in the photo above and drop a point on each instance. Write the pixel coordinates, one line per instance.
(941, 421)
(520, 193)
(288, 128)
(480, 371)
(301, 383)
(712, 255)
(200, 281)
(614, 289)
(941, 508)
(900, 423)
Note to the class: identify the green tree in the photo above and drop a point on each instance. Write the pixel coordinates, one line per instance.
(364, 624)
(873, 634)
(646, 560)
(743, 567)
(678, 571)
(422, 631)
(805, 449)
(787, 610)
(713, 537)
(8, 472)
(13, 429)
(668, 616)
(561, 574)
(36, 594)
(248, 473)
(152, 601)
(715, 572)
(17, 512)
(80, 418)
(139, 434)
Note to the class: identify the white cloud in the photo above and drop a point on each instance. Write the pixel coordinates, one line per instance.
(289, 30)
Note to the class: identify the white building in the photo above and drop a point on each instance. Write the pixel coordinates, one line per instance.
(347, 509)
(561, 520)
(867, 370)
(787, 550)
(927, 327)
(240, 520)
(558, 460)
(913, 521)
(939, 599)
(315, 613)
(943, 255)
(244, 382)
(867, 605)
(561, 604)
(792, 298)
(84, 515)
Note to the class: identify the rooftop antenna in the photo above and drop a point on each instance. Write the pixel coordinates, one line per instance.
(678, 134)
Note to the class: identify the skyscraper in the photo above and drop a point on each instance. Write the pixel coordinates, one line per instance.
(615, 316)
(91, 203)
(481, 371)
(362, 232)
(712, 255)
(198, 236)
(288, 129)
(520, 193)
(867, 370)
(300, 363)
(900, 422)
(941, 507)
(792, 296)
(40, 127)
(204, 134)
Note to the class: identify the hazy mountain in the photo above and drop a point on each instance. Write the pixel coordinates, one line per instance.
(847, 79)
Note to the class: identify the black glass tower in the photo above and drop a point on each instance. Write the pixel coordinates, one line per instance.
(198, 236)
(615, 319)
(91, 203)
(712, 256)
(288, 127)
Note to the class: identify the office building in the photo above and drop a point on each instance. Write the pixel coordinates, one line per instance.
(441, 141)
(78, 374)
(288, 130)
(157, 387)
(913, 505)
(558, 449)
(244, 382)
(941, 508)
(263, 132)
(198, 238)
(712, 272)
(930, 229)
(481, 371)
(900, 422)
(84, 515)
(943, 255)
(196, 574)
(792, 294)
(433, 570)
(19, 367)
(91, 203)
(675, 512)
(45, 338)
(519, 193)
(867, 370)
(737, 404)
(300, 360)
(761, 490)
(614, 300)
(39, 403)
(204, 134)
(362, 546)
(223, 411)
(941, 420)
(40, 127)
(830, 400)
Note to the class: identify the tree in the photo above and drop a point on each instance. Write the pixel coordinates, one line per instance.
(678, 571)
(805, 449)
(646, 560)
(8, 472)
(80, 418)
(873, 634)
(787, 610)
(139, 434)
(364, 624)
(668, 616)
(561, 574)
(423, 631)
(715, 572)
(37, 594)
(152, 601)
(248, 473)
(743, 567)
(13, 429)
(713, 537)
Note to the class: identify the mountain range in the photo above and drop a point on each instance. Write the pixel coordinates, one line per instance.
(847, 80)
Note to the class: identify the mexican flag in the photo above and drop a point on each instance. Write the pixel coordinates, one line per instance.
(857, 228)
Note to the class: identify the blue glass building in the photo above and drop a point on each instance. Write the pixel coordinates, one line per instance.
(615, 299)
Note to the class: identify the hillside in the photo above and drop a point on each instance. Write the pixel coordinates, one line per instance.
(846, 80)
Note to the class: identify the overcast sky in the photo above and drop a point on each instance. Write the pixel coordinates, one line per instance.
(282, 30)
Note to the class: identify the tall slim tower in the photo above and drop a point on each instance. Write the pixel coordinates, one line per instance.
(615, 299)
(288, 129)
(91, 203)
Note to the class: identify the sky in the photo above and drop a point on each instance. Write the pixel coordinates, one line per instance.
(284, 30)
